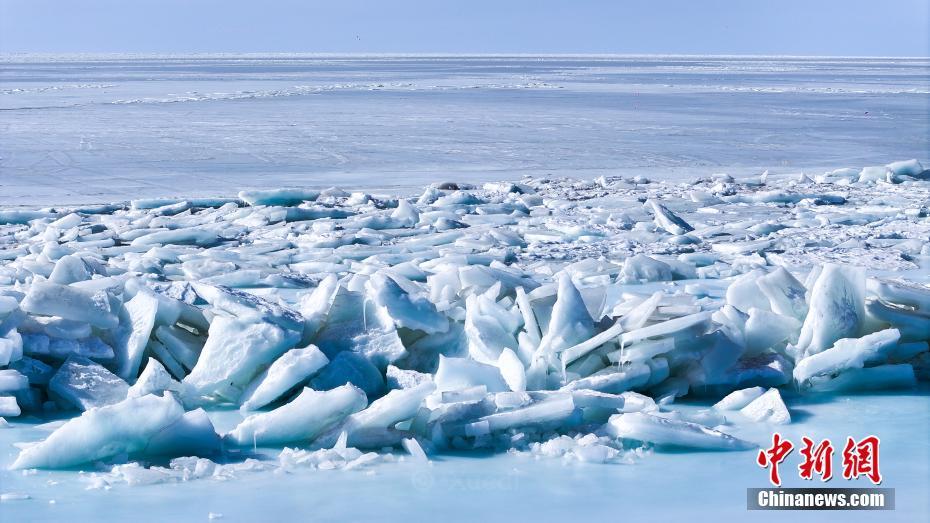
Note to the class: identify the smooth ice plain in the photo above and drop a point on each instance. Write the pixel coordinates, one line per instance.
(82, 130)
(665, 225)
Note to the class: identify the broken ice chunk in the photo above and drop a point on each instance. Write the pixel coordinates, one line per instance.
(667, 220)
(404, 379)
(66, 301)
(765, 329)
(9, 407)
(489, 328)
(294, 367)
(570, 322)
(785, 293)
(739, 398)
(350, 367)
(744, 293)
(913, 325)
(412, 312)
(181, 343)
(837, 308)
(357, 324)
(641, 268)
(201, 237)
(674, 433)
(906, 168)
(11, 347)
(69, 269)
(847, 353)
(463, 373)
(882, 377)
(153, 380)
(301, 420)
(236, 350)
(281, 197)
(512, 370)
(769, 408)
(546, 411)
(614, 380)
(693, 323)
(374, 426)
(85, 384)
(412, 446)
(192, 434)
(123, 428)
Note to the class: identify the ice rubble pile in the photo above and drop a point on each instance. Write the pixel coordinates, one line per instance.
(558, 316)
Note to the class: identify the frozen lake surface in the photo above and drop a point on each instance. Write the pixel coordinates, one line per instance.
(83, 131)
(93, 130)
(696, 486)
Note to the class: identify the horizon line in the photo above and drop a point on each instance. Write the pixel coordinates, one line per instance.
(310, 54)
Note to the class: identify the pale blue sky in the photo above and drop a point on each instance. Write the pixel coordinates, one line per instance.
(799, 27)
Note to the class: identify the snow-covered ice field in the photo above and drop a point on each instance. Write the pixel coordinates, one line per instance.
(94, 131)
(528, 297)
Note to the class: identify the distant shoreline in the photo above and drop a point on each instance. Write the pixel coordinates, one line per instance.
(29, 56)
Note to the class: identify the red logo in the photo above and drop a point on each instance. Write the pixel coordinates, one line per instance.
(819, 459)
(773, 456)
(859, 458)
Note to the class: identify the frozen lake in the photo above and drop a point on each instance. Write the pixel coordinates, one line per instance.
(708, 486)
(77, 130)
(90, 130)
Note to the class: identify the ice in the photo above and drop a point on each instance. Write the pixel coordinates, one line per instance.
(738, 399)
(911, 168)
(837, 308)
(673, 433)
(881, 377)
(570, 321)
(764, 329)
(100, 433)
(382, 414)
(489, 329)
(512, 370)
(404, 379)
(540, 413)
(462, 373)
(785, 293)
(642, 269)
(141, 310)
(350, 367)
(527, 328)
(285, 197)
(300, 420)
(153, 380)
(9, 407)
(84, 385)
(415, 450)
(235, 352)
(239, 347)
(744, 293)
(68, 302)
(11, 347)
(192, 434)
(12, 380)
(847, 353)
(768, 408)
(674, 327)
(354, 323)
(69, 269)
(412, 312)
(288, 371)
(667, 220)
